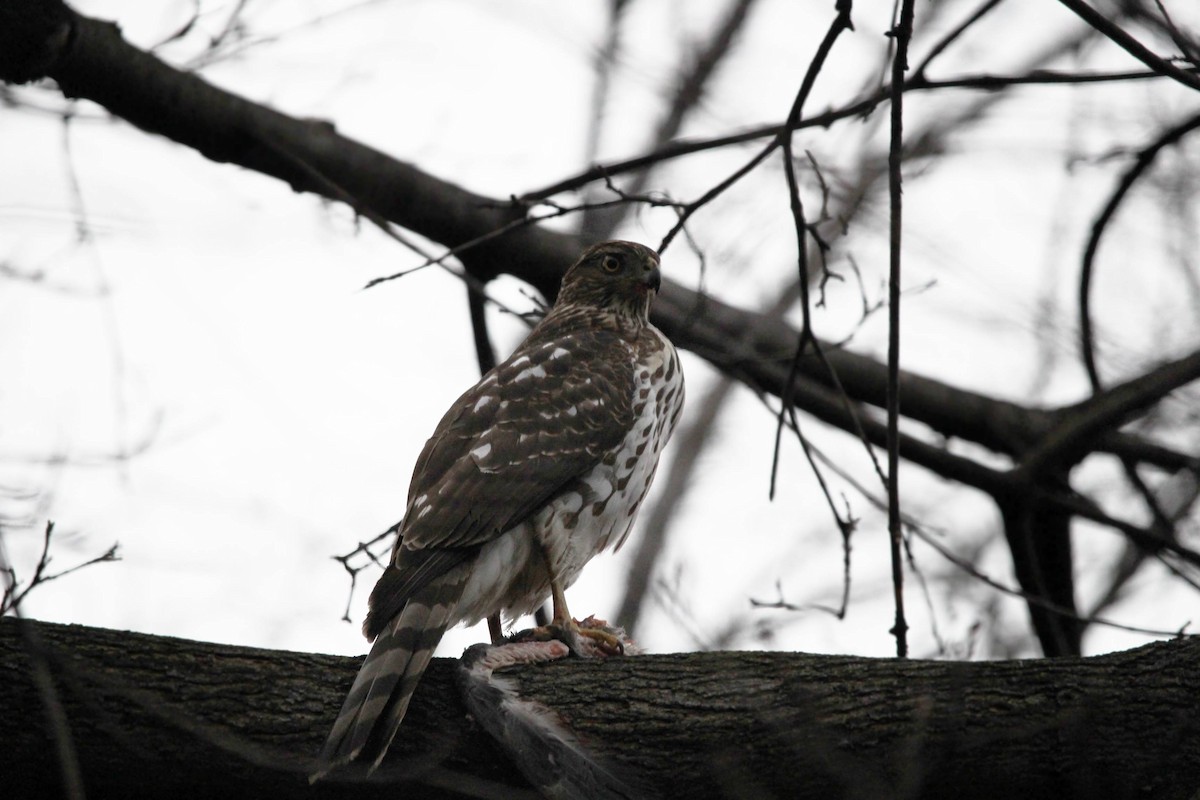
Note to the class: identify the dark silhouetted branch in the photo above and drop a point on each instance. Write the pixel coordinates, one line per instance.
(163, 717)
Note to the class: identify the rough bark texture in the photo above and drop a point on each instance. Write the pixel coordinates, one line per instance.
(161, 717)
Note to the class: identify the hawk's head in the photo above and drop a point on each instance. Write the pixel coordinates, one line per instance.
(615, 276)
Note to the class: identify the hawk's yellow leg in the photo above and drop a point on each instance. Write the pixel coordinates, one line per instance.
(561, 618)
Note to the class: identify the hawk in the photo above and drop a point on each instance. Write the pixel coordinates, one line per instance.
(535, 469)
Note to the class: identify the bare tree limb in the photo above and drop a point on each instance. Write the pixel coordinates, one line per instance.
(859, 108)
(149, 723)
(187, 109)
(901, 36)
(687, 95)
(1145, 158)
(1131, 45)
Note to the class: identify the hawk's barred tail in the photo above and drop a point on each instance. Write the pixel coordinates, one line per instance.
(379, 697)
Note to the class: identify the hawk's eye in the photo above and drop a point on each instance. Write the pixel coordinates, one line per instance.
(610, 263)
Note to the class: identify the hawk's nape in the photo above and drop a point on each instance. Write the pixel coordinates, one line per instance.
(533, 471)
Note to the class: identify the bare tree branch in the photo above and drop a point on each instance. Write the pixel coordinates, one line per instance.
(1131, 45)
(1145, 158)
(246, 725)
(687, 95)
(901, 36)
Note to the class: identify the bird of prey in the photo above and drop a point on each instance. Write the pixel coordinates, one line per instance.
(531, 472)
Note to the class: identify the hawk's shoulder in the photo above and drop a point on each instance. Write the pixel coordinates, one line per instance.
(534, 423)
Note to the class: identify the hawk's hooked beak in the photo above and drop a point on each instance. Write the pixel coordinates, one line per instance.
(651, 275)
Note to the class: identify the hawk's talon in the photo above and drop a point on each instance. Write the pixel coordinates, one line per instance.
(591, 638)
(607, 643)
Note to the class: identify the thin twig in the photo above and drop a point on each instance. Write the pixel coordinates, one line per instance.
(951, 37)
(687, 95)
(485, 354)
(902, 34)
(1143, 161)
(970, 569)
(366, 550)
(15, 594)
(56, 716)
(1131, 45)
(856, 109)
(841, 23)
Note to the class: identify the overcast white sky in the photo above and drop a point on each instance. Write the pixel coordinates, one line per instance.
(218, 319)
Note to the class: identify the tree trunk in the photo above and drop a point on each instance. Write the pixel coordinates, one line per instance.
(153, 716)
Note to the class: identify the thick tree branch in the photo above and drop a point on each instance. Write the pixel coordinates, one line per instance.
(155, 716)
(96, 63)
(1107, 411)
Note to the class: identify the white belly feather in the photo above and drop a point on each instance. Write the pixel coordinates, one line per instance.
(593, 513)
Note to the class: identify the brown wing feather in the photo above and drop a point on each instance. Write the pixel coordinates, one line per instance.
(504, 449)
(511, 443)
(397, 586)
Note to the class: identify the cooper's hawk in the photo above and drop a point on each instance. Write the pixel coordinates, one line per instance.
(537, 468)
